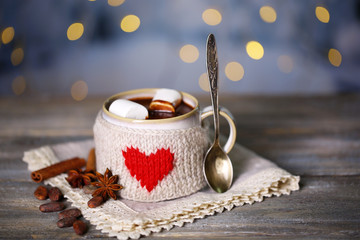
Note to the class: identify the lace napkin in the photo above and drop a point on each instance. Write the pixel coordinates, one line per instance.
(254, 179)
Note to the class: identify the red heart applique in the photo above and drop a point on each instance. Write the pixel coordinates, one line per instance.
(148, 170)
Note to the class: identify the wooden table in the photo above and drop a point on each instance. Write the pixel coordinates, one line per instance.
(317, 138)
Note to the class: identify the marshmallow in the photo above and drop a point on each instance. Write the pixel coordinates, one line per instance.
(128, 109)
(165, 100)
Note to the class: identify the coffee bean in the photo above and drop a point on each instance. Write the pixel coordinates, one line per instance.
(52, 207)
(79, 227)
(55, 194)
(66, 222)
(95, 201)
(41, 193)
(73, 212)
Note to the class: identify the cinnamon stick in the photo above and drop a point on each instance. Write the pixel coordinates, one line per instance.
(57, 168)
(91, 161)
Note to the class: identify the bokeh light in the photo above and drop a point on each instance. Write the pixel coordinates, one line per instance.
(285, 63)
(115, 3)
(7, 35)
(335, 57)
(255, 50)
(189, 53)
(234, 71)
(322, 14)
(17, 56)
(212, 17)
(204, 82)
(18, 85)
(267, 14)
(79, 90)
(75, 31)
(130, 23)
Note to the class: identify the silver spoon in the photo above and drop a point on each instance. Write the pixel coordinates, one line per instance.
(217, 167)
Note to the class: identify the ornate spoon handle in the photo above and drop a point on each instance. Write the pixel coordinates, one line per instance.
(212, 68)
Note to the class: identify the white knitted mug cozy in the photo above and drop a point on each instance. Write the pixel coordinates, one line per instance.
(154, 162)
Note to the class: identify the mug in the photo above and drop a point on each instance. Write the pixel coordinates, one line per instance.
(156, 159)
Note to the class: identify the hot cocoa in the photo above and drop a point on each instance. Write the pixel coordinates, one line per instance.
(166, 103)
(183, 108)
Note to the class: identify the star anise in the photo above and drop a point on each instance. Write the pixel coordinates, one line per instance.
(78, 178)
(107, 185)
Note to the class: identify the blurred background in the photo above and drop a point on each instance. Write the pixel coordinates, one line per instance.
(101, 47)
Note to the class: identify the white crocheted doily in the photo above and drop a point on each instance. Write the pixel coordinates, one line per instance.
(254, 179)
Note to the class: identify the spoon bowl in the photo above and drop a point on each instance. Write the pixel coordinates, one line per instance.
(218, 170)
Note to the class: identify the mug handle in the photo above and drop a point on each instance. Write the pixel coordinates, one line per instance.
(208, 111)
